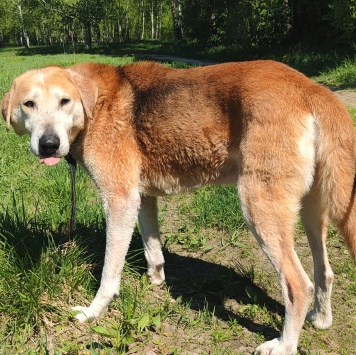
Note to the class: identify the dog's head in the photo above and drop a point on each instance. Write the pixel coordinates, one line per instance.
(51, 105)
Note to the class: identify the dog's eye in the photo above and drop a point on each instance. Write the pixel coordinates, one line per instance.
(64, 102)
(29, 103)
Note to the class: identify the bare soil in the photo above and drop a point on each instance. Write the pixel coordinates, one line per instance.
(348, 97)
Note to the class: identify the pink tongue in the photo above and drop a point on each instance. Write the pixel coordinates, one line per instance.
(50, 161)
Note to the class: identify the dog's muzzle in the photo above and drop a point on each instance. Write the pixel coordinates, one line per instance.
(48, 145)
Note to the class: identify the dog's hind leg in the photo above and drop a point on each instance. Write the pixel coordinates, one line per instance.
(148, 220)
(315, 220)
(271, 212)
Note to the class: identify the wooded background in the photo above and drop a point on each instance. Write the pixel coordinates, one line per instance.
(242, 23)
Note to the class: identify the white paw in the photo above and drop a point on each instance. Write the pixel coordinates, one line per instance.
(275, 347)
(84, 315)
(320, 320)
(266, 348)
(156, 275)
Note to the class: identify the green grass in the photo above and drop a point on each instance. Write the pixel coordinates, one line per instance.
(343, 76)
(221, 295)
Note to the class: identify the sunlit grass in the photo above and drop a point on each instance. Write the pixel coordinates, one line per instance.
(343, 76)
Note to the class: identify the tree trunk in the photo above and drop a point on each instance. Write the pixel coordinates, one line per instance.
(119, 26)
(97, 33)
(88, 39)
(127, 32)
(152, 20)
(25, 39)
(143, 19)
(159, 21)
(176, 9)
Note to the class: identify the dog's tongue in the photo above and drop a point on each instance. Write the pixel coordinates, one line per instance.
(50, 161)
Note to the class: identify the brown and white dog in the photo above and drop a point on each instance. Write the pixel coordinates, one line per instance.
(145, 130)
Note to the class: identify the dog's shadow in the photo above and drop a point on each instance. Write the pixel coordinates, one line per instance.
(205, 286)
(201, 284)
(198, 283)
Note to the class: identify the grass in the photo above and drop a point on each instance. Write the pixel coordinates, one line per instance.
(221, 295)
(344, 76)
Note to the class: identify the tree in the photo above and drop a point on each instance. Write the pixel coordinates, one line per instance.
(343, 18)
(8, 21)
(243, 23)
(176, 9)
(18, 5)
(309, 20)
(90, 13)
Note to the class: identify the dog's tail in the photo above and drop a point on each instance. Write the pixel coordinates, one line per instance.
(336, 163)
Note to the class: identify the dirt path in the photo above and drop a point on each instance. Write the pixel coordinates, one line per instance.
(348, 97)
(171, 58)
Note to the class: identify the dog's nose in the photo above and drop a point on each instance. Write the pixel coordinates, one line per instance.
(48, 145)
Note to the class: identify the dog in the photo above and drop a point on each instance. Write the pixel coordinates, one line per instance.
(144, 130)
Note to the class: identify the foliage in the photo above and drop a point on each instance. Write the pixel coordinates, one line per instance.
(248, 23)
(243, 23)
(343, 18)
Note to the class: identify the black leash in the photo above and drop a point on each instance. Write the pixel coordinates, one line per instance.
(73, 169)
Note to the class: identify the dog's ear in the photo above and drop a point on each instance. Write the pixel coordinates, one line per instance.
(88, 90)
(6, 107)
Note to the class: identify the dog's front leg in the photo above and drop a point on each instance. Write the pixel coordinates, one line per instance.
(121, 216)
